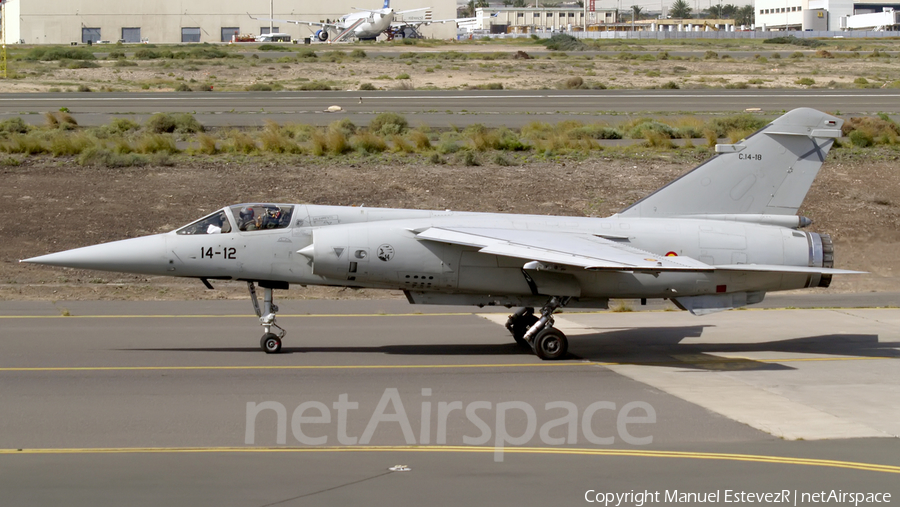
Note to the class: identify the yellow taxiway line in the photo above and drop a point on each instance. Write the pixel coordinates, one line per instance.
(626, 453)
(556, 364)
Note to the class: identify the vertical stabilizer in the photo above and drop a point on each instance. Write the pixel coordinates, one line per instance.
(768, 173)
(387, 4)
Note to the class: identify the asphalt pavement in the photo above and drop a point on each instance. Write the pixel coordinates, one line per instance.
(378, 402)
(440, 109)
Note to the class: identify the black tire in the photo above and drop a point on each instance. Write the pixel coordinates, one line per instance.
(270, 343)
(519, 323)
(551, 344)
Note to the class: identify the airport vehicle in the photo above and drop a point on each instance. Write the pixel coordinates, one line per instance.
(718, 237)
(369, 24)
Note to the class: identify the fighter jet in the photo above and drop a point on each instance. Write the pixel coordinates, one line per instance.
(719, 237)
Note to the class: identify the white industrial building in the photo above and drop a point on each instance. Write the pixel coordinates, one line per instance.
(826, 15)
(540, 19)
(175, 21)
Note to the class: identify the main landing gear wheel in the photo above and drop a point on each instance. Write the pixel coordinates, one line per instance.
(550, 344)
(270, 343)
(519, 323)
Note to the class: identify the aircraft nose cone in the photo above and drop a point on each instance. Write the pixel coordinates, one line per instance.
(145, 255)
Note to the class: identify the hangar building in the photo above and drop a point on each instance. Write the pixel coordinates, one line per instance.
(175, 21)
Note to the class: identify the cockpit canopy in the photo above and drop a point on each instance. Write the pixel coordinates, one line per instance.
(243, 218)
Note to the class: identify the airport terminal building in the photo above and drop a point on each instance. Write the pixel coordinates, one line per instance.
(176, 21)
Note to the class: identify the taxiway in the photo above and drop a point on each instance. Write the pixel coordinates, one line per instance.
(146, 403)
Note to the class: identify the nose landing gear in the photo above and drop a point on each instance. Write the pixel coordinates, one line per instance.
(270, 342)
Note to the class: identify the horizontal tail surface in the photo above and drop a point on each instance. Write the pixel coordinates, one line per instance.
(768, 173)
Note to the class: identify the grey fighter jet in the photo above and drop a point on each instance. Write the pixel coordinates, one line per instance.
(719, 237)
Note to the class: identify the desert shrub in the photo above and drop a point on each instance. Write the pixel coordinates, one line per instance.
(657, 139)
(401, 145)
(645, 126)
(861, 138)
(336, 142)
(469, 159)
(207, 144)
(50, 120)
(151, 54)
(811, 43)
(388, 123)
(96, 156)
(447, 147)
(720, 127)
(205, 52)
(70, 144)
(272, 47)
(182, 123)
(344, 125)
(563, 42)
(805, 81)
(315, 86)
(120, 126)
(824, 54)
(183, 87)
(420, 140)
(573, 83)
(357, 53)
(861, 81)
(13, 125)
(402, 76)
(670, 85)
(237, 141)
(258, 87)
(84, 88)
(155, 143)
(367, 87)
(124, 63)
(78, 64)
(870, 130)
(58, 53)
(595, 132)
(367, 142)
(274, 139)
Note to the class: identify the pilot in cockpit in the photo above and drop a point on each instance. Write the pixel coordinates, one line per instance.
(247, 219)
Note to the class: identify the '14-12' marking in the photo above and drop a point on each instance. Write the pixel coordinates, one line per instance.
(226, 253)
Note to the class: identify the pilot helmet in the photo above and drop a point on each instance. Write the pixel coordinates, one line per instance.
(274, 212)
(246, 213)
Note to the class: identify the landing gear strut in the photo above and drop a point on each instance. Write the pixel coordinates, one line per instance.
(270, 342)
(547, 342)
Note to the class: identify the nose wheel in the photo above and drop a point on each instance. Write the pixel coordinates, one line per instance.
(270, 342)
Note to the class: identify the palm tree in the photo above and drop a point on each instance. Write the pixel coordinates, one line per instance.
(744, 15)
(636, 12)
(680, 9)
(714, 11)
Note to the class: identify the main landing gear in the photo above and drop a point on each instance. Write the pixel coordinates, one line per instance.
(547, 342)
(270, 342)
